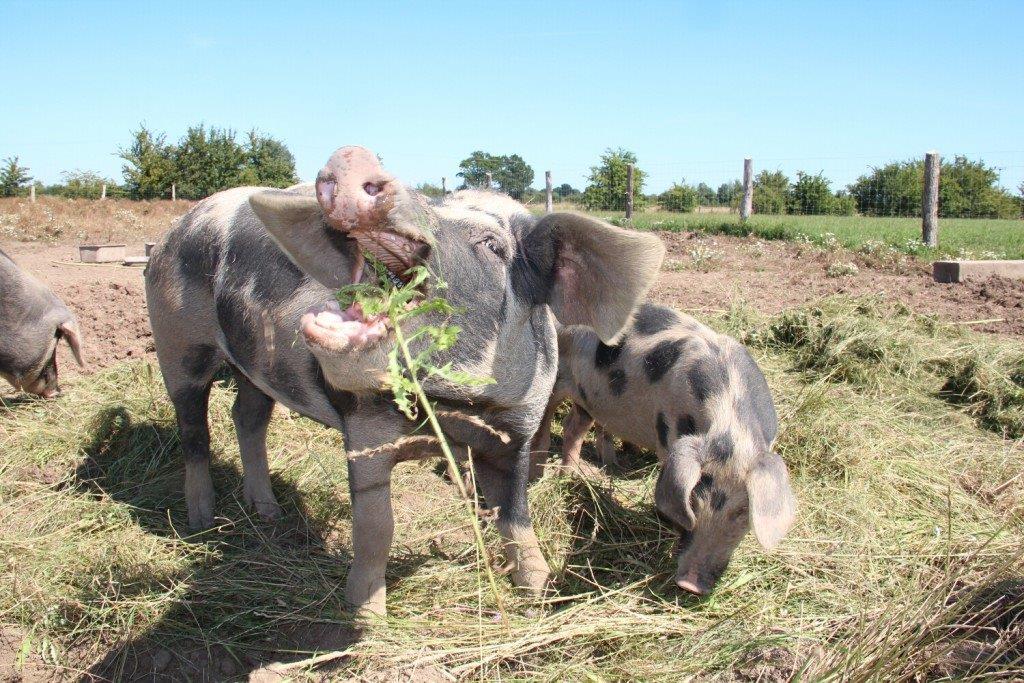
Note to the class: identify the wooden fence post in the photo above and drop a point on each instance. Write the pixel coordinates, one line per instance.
(747, 207)
(103, 192)
(548, 203)
(930, 200)
(490, 181)
(32, 193)
(444, 187)
(174, 192)
(629, 191)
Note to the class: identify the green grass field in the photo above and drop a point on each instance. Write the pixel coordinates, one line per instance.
(958, 237)
(906, 562)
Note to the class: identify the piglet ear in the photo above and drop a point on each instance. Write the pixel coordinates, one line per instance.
(772, 505)
(69, 331)
(679, 474)
(593, 273)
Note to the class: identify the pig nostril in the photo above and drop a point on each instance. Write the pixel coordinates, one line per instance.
(372, 189)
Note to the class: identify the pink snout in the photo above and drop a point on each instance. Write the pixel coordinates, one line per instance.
(354, 190)
(692, 583)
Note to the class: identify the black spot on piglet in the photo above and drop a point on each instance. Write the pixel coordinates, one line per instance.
(662, 428)
(661, 359)
(652, 319)
(685, 426)
(707, 379)
(720, 448)
(605, 356)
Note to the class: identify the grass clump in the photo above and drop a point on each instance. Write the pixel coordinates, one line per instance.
(854, 340)
(991, 389)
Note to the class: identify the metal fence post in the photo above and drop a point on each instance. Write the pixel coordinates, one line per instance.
(548, 203)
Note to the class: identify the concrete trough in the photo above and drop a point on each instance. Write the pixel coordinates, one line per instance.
(958, 271)
(101, 253)
(149, 248)
(136, 260)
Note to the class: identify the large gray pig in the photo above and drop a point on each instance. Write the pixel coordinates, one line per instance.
(32, 321)
(697, 399)
(248, 269)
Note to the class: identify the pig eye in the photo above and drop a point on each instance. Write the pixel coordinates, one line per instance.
(494, 246)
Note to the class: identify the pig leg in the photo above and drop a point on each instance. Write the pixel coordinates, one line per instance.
(574, 430)
(191, 404)
(505, 490)
(251, 413)
(541, 446)
(373, 521)
(606, 449)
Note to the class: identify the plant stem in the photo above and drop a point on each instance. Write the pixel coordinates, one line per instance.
(453, 466)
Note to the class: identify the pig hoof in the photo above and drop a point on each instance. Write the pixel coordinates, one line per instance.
(265, 505)
(370, 611)
(200, 520)
(267, 510)
(531, 581)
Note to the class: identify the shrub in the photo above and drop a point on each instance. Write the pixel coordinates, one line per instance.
(771, 192)
(967, 189)
(681, 198)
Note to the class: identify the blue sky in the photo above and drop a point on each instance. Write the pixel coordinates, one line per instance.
(692, 88)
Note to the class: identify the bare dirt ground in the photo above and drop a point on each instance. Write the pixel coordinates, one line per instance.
(771, 276)
(765, 276)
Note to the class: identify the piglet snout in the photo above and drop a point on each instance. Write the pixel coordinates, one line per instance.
(691, 583)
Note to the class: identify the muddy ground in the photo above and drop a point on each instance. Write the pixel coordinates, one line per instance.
(766, 276)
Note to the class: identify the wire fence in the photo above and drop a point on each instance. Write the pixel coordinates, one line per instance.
(971, 186)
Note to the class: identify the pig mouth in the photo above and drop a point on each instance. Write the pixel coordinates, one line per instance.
(398, 253)
(329, 328)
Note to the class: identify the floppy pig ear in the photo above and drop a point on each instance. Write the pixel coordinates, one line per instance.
(772, 505)
(69, 331)
(296, 223)
(679, 475)
(595, 273)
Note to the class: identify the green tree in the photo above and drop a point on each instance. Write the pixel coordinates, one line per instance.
(208, 161)
(967, 189)
(13, 177)
(771, 192)
(607, 188)
(706, 195)
(268, 162)
(149, 167)
(565, 191)
(510, 172)
(843, 204)
(970, 189)
(810, 194)
(727, 192)
(680, 197)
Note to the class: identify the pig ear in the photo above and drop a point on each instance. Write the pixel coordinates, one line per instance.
(69, 331)
(296, 223)
(594, 273)
(679, 475)
(772, 505)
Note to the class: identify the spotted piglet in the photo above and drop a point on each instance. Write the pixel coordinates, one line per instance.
(699, 400)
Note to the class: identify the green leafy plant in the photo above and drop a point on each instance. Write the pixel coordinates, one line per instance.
(406, 368)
